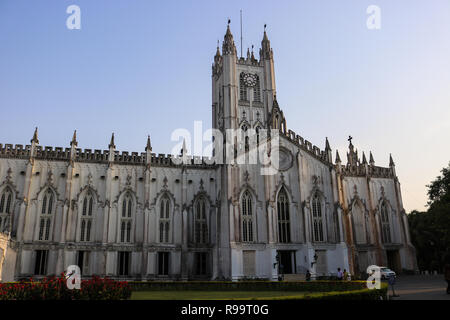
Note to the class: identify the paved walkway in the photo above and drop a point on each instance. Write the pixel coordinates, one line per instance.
(420, 287)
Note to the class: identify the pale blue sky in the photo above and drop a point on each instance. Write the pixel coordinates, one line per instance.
(144, 67)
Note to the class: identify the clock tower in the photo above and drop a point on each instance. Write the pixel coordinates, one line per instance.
(243, 89)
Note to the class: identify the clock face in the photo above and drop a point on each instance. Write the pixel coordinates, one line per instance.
(250, 80)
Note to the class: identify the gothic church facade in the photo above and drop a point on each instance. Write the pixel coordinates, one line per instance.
(141, 216)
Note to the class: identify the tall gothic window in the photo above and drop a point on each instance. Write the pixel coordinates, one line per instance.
(284, 231)
(201, 225)
(5, 209)
(257, 91)
(164, 219)
(317, 218)
(247, 217)
(242, 88)
(46, 215)
(385, 226)
(126, 218)
(86, 217)
(358, 224)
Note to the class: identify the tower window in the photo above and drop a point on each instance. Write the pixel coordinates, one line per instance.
(242, 88)
(257, 91)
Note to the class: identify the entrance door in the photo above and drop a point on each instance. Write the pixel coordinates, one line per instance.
(286, 265)
(321, 266)
(363, 261)
(393, 260)
(248, 257)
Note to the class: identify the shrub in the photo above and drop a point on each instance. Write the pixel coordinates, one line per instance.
(54, 288)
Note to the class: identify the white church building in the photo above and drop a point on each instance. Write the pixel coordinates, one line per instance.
(142, 216)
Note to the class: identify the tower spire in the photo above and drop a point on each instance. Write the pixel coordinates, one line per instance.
(228, 46)
(266, 51)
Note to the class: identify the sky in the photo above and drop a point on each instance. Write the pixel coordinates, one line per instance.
(144, 67)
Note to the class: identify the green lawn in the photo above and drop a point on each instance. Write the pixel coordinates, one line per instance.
(209, 295)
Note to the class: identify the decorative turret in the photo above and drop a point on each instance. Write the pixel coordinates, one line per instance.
(218, 56)
(371, 161)
(149, 145)
(148, 151)
(35, 137)
(228, 46)
(328, 150)
(111, 143)
(183, 148)
(391, 161)
(253, 56)
(338, 162)
(74, 142)
(34, 142)
(364, 160)
(392, 165)
(73, 146)
(338, 158)
(112, 149)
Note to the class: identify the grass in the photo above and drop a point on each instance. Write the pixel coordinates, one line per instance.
(210, 295)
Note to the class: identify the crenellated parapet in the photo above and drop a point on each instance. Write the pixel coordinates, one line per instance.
(48, 153)
(307, 146)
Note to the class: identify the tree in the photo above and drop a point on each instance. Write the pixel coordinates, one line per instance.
(430, 230)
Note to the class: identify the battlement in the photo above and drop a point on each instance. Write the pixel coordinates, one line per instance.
(306, 145)
(96, 156)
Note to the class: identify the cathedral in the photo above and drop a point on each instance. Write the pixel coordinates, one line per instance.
(145, 216)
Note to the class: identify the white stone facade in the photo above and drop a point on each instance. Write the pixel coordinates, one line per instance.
(140, 216)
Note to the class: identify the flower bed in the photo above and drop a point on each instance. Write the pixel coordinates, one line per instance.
(54, 288)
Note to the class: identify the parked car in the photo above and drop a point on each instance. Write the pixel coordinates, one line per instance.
(386, 273)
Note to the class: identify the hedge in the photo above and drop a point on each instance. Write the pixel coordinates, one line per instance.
(305, 286)
(56, 289)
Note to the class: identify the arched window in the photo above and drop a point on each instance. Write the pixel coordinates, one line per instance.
(317, 218)
(385, 226)
(5, 209)
(359, 224)
(201, 224)
(242, 88)
(46, 215)
(247, 217)
(284, 231)
(257, 91)
(126, 218)
(164, 219)
(86, 217)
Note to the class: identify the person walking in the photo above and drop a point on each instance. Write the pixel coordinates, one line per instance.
(308, 275)
(447, 276)
(345, 275)
(339, 274)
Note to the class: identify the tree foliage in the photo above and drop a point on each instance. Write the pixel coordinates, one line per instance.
(430, 230)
